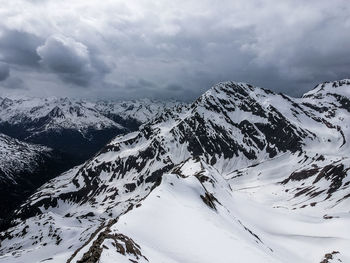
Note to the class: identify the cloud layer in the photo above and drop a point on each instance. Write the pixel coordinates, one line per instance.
(67, 58)
(163, 48)
(4, 71)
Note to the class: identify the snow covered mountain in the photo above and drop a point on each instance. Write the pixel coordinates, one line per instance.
(133, 113)
(52, 113)
(23, 167)
(62, 124)
(77, 127)
(16, 156)
(241, 174)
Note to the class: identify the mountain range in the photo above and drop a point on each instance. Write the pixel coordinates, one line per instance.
(52, 135)
(241, 174)
(76, 127)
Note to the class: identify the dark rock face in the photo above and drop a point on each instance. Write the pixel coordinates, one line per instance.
(343, 101)
(334, 173)
(301, 175)
(207, 136)
(123, 245)
(329, 257)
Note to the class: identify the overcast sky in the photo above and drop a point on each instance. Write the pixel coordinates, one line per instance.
(170, 49)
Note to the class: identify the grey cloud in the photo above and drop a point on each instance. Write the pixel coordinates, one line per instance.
(64, 55)
(4, 71)
(140, 85)
(71, 60)
(174, 87)
(146, 83)
(68, 58)
(14, 83)
(167, 49)
(19, 47)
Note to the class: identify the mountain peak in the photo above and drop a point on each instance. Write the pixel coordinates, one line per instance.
(230, 88)
(340, 87)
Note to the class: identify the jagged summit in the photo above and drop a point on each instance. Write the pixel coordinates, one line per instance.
(340, 87)
(227, 89)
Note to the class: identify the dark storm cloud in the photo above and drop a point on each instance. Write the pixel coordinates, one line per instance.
(18, 47)
(64, 55)
(70, 60)
(174, 49)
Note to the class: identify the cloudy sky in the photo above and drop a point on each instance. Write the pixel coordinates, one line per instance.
(169, 49)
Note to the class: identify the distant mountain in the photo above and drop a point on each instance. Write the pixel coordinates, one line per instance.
(133, 113)
(76, 127)
(73, 129)
(241, 174)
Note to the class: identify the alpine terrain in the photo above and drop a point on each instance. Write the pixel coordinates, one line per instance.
(71, 130)
(242, 174)
(77, 128)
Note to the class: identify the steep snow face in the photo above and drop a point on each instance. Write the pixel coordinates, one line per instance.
(241, 174)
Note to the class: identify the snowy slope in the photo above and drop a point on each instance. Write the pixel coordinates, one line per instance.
(17, 156)
(240, 174)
